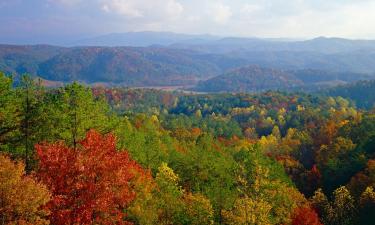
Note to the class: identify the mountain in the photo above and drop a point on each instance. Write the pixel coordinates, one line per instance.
(255, 79)
(25, 58)
(143, 39)
(128, 66)
(219, 45)
(249, 79)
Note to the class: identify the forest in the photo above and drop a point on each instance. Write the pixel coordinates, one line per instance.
(77, 154)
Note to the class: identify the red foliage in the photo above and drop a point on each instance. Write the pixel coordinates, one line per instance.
(90, 184)
(305, 216)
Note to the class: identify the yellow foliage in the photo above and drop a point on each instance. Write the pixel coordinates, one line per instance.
(199, 209)
(248, 211)
(21, 197)
(367, 197)
(167, 174)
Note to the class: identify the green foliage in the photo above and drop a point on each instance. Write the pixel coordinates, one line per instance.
(9, 120)
(73, 110)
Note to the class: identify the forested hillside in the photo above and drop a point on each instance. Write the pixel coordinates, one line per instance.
(256, 79)
(362, 93)
(126, 65)
(250, 79)
(82, 155)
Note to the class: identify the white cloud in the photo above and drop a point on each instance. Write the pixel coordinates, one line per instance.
(155, 9)
(221, 13)
(123, 7)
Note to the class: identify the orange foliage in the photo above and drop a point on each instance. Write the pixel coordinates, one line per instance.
(90, 184)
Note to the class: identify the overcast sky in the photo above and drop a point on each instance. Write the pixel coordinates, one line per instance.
(56, 21)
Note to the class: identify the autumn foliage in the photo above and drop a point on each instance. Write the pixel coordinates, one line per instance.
(89, 184)
(22, 198)
(305, 216)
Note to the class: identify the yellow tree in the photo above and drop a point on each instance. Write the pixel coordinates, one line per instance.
(170, 205)
(343, 207)
(248, 211)
(21, 197)
(198, 209)
(323, 207)
(367, 206)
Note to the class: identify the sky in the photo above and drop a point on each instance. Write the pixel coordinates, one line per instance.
(59, 21)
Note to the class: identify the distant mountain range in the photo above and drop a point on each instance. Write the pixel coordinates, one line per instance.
(168, 59)
(215, 44)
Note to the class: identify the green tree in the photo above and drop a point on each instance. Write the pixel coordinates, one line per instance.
(73, 110)
(9, 120)
(31, 115)
(172, 209)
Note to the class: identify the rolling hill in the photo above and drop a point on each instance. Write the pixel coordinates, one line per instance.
(249, 79)
(128, 66)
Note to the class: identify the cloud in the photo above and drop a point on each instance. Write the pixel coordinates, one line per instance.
(155, 9)
(221, 13)
(125, 8)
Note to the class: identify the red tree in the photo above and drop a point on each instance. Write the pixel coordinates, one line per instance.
(305, 216)
(90, 184)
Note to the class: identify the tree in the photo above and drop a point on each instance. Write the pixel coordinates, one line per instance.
(305, 216)
(248, 211)
(143, 210)
(172, 209)
(343, 207)
(340, 211)
(22, 198)
(72, 111)
(31, 116)
(89, 184)
(198, 209)
(322, 206)
(338, 162)
(367, 206)
(9, 120)
(264, 180)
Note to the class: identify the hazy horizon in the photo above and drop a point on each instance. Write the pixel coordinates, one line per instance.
(71, 41)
